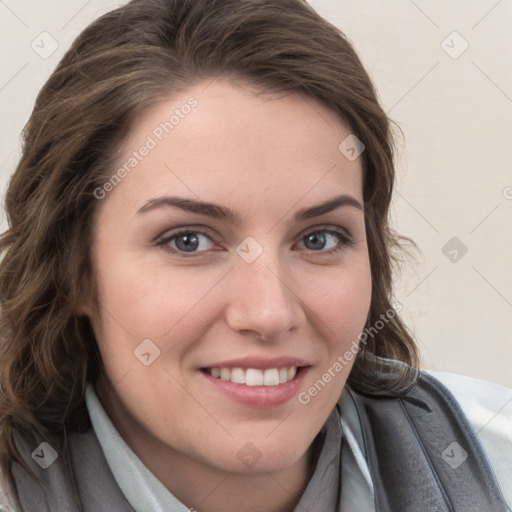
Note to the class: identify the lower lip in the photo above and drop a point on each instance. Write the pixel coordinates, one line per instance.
(259, 397)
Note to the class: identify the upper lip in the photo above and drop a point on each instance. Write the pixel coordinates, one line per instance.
(260, 363)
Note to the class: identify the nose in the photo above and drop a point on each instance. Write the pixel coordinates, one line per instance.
(263, 300)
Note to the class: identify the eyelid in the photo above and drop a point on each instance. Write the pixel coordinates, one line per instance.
(326, 228)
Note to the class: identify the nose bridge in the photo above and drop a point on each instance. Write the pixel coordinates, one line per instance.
(263, 300)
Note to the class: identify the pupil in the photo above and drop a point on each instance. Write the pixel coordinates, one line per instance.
(189, 242)
(317, 239)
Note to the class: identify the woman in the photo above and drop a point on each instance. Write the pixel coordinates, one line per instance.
(196, 283)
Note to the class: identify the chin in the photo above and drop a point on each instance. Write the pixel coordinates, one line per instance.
(260, 456)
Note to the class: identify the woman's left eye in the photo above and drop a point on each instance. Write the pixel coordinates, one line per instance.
(335, 240)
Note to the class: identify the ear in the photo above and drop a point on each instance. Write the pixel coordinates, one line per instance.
(83, 298)
(83, 309)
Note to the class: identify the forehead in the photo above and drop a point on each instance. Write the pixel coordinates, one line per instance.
(220, 139)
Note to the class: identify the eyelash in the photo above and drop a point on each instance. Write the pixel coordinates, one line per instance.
(345, 241)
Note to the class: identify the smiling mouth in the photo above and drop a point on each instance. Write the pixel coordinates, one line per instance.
(255, 376)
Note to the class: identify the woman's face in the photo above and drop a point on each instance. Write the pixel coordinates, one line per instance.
(260, 277)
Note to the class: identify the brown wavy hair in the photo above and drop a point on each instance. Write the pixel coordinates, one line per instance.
(123, 63)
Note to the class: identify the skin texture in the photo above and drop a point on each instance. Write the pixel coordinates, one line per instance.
(265, 157)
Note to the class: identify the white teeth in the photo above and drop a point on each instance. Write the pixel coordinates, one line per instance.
(238, 376)
(271, 377)
(225, 373)
(254, 376)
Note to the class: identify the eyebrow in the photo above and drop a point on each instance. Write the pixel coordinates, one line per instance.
(226, 214)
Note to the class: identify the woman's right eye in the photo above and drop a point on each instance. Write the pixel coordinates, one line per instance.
(186, 242)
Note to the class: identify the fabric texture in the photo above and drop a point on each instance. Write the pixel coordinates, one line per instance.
(422, 456)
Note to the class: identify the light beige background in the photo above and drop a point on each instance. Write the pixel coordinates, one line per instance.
(455, 171)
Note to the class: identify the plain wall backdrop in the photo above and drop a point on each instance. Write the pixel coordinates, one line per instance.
(443, 71)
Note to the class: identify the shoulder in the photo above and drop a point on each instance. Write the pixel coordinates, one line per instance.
(9, 499)
(488, 407)
(7, 502)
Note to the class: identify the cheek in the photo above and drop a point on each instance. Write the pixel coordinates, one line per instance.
(151, 299)
(152, 309)
(343, 302)
(341, 305)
